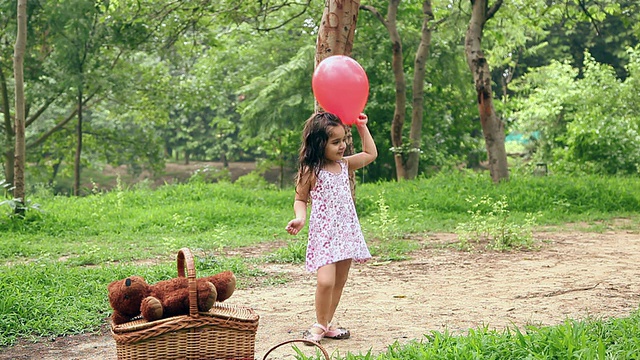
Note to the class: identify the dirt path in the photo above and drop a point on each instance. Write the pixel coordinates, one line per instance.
(574, 275)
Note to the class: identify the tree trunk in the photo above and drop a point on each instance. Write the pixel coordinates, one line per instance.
(335, 37)
(281, 175)
(407, 158)
(417, 103)
(400, 112)
(225, 160)
(77, 164)
(337, 28)
(9, 144)
(18, 69)
(492, 126)
(55, 168)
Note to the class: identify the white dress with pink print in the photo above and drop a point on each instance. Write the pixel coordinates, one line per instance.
(334, 229)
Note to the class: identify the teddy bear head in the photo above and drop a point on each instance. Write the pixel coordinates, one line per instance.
(126, 295)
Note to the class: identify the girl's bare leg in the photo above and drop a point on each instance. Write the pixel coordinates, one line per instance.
(331, 280)
(341, 275)
(326, 280)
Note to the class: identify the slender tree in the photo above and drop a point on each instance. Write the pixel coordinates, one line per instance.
(492, 125)
(18, 69)
(82, 38)
(417, 102)
(42, 92)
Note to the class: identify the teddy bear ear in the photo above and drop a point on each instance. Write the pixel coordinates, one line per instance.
(127, 282)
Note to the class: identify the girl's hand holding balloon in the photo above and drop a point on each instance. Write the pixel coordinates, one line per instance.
(362, 120)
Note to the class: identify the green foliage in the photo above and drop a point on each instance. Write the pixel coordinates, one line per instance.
(294, 252)
(17, 207)
(254, 180)
(449, 132)
(386, 232)
(197, 80)
(283, 85)
(6, 188)
(589, 124)
(490, 223)
(382, 223)
(279, 148)
(207, 174)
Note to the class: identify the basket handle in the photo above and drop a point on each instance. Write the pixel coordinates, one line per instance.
(308, 342)
(185, 260)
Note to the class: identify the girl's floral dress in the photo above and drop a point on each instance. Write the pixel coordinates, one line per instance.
(334, 229)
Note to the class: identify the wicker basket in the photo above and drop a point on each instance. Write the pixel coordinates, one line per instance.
(225, 332)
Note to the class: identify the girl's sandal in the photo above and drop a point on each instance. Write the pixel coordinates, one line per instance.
(313, 336)
(338, 333)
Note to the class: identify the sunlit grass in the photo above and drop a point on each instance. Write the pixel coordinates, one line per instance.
(573, 339)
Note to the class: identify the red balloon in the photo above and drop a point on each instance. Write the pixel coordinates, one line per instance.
(341, 87)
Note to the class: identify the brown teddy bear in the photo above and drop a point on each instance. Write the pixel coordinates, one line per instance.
(132, 296)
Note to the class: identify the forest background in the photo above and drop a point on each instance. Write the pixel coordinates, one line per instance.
(230, 81)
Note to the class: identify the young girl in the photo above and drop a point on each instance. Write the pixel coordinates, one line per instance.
(335, 237)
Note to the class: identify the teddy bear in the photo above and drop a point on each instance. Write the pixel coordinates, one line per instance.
(133, 296)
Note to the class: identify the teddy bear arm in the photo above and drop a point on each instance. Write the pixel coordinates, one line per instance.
(151, 308)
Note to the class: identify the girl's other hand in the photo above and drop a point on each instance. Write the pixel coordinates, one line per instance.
(294, 226)
(362, 120)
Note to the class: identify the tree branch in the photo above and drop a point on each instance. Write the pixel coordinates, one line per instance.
(58, 126)
(493, 10)
(376, 13)
(5, 104)
(305, 7)
(584, 9)
(42, 109)
(435, 24)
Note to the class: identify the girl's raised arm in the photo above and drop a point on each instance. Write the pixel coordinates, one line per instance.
(369, 151)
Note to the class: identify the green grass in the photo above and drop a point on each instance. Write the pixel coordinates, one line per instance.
(586, 339)
(293, 253)
(56, 263)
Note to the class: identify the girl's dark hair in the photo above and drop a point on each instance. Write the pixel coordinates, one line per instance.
(315, 135)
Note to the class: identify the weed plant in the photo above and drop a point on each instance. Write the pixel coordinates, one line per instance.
(56, 263)
(294, 252)
(490, 223)
(385, 236)
(383, 223)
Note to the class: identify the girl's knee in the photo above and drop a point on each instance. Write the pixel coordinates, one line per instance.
(325, 284)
